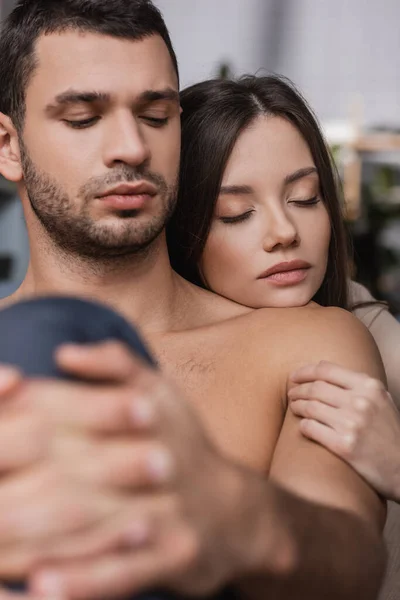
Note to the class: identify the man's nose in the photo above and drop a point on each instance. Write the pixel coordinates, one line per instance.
(125, 144)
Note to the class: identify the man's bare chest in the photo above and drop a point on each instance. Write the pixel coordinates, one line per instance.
(241, 411)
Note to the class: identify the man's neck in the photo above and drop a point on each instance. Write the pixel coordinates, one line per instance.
(143, 288)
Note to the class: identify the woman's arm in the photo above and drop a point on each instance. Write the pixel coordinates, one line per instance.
(386, 331)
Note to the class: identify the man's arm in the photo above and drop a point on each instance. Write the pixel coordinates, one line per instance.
(339, 553)
(204, 522)
(320, 539)
(336, 555)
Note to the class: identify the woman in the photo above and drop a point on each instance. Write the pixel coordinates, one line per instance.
(258, 221)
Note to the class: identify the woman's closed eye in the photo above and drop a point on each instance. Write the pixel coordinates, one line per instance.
(307, 202)
(236, 218)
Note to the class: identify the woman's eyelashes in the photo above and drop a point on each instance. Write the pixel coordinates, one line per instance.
(245, 215)
(308, 202)
(236, 218)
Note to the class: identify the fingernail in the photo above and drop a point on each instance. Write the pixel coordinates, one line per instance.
(72, 350)
(143, 413)
(8, 375)
(160, 465)
(49, 584)
(138, 533)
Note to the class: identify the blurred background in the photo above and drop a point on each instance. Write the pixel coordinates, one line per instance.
(345, 58)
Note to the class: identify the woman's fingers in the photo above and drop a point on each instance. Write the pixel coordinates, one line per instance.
(317, 411)
(339, 444)
(353, 416)
(335, 375)
(326, 393)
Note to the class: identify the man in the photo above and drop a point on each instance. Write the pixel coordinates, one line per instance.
(141, 482)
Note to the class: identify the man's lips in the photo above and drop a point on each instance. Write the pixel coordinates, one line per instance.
(128, 196)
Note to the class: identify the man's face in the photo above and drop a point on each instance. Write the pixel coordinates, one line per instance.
(101, 141)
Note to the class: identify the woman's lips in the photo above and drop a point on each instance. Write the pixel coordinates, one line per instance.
(286, 278)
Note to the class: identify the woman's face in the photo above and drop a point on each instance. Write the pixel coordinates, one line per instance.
(269, 239)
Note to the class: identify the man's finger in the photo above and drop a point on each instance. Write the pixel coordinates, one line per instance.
(111, 576)
(102, 409)
(126, 464)
(105, 361)
(10, 378)
(22, 440)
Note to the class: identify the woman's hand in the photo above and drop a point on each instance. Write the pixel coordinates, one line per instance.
(354, 416)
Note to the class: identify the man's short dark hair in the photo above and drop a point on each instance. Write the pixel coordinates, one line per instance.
(127, 19)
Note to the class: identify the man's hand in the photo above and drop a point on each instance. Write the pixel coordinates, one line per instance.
(127, 492)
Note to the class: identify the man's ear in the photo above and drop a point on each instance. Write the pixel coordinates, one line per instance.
(10, 160)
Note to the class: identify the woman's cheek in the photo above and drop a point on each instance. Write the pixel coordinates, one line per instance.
(223, 261)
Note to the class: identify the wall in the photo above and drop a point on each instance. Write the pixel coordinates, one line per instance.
(336, 50)
(5, 7)
(333, 49)
(209, 32)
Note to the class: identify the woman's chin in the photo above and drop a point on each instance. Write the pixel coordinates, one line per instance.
(287, 300)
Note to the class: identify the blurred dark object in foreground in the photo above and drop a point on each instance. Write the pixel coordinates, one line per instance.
(5, 267)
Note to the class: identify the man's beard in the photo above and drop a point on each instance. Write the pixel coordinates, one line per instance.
(75, 232)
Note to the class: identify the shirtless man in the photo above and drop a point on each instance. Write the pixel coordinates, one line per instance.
(90, 132)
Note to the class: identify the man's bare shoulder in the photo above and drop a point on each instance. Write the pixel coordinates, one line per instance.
(271, 323)
(313, 333)
(291, 337)
(202, 308)
(311, 319)
(210, 311)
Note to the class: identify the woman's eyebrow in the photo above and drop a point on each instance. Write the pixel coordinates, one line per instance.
(299, 174)
(236, 190)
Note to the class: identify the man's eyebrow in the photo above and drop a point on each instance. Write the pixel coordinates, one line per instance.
(81, 97)
(154, 95)
(77, 97)
(236, 190)
(299, 174)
